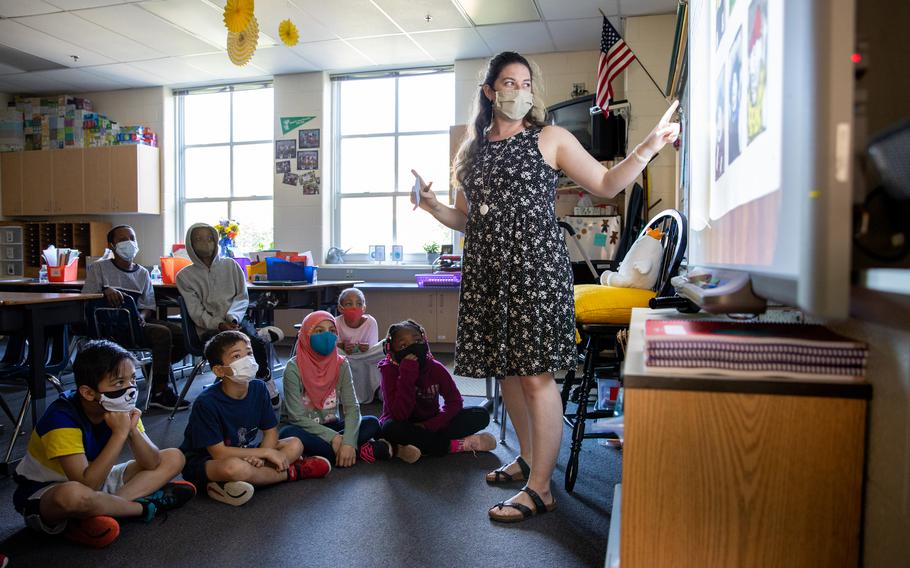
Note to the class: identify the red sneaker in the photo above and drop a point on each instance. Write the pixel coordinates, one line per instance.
(96, 532)
(309, 468)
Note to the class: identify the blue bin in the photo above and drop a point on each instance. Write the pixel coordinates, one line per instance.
(280, 269)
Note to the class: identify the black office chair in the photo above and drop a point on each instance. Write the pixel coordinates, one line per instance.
(16, 371)
(194, 347)
(121, 325)
(598, 338)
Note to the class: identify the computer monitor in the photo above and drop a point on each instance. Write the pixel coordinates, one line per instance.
(602, 137)
(768, 147)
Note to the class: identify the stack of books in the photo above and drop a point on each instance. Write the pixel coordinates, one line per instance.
(753, 350)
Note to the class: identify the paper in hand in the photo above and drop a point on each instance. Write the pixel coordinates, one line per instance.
(416, 191)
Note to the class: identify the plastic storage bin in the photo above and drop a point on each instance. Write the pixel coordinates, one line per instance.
(170, 266)
(66, 273)
(280, 269)
(439, 279)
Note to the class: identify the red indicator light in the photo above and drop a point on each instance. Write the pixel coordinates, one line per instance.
(856, 58)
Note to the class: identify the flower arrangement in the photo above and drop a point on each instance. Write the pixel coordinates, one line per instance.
(227, 228)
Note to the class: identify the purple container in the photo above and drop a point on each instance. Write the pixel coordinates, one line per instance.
(439, 280)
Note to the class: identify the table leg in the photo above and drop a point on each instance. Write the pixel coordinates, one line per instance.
(37, 353)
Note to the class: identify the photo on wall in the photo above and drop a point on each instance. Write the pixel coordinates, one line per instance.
(734, 99)
(309, 183)
(290, 179)
(285, 149)
(758, 67)
(308, 138)
(720, 124)
(308, 160)
(283, 167)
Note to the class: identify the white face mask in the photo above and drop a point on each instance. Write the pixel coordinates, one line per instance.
(123, 400)
(127, 250)
(513, 104)
(244, 370)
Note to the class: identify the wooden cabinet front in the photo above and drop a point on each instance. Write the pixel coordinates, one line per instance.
(37, 182)
(97, 164)
(68, 181)
(11, 182)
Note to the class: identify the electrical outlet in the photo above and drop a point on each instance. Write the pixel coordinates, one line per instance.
(349, 274)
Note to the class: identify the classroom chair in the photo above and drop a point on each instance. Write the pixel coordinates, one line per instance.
(194, 347)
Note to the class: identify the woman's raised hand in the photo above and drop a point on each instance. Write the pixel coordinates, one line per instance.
(665, 132)
(428, 199)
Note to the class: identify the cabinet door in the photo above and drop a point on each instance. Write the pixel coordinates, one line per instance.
(421, 307)
(37, 182)
(11, 182)
(97, 187)
(379, 305)
(68, 181)
(148, 182)
(124, 176)
(446, 316)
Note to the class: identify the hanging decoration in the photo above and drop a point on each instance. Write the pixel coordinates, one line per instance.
(237, 15)
(241, 46)
(287, 31)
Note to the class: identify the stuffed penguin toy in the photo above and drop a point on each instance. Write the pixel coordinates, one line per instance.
(640, 267)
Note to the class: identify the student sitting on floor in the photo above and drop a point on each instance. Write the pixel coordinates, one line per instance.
(214, 289)
(412, 382)
(319, 406)
(164, 338)
(69, 480)
(220, 441)
(358, 337)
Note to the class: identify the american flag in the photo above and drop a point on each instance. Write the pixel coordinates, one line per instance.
(615, 56)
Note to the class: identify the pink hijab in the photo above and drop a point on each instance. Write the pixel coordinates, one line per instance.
(318, 373)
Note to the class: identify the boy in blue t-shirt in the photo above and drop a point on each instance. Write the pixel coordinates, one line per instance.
(69, 481)
(220, 441)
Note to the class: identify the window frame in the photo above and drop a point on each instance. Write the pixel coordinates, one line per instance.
(182, 199)
(337, 196)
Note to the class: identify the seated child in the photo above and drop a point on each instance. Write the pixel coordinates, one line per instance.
(316, 381)
(358, 337)
(69, 480)
(220, 441)
(412, 382)
(214, 289)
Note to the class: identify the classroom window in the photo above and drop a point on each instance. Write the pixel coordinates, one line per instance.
(384, 125)
(225, 160)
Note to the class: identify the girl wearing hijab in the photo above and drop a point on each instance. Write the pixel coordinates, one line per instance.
(319, 405)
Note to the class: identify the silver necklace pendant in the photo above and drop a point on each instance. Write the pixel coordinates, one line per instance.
(484, 209)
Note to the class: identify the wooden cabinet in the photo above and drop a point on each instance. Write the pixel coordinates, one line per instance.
(436, 310)
(114, 179)
(11, 182)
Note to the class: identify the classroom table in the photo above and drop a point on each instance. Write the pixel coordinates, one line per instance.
(31, 313)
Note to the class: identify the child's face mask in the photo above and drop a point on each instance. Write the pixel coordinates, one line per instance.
(352, 314)
(418, 349)
(243, 370)
(121, 400)
(127, 250)
(324, 342)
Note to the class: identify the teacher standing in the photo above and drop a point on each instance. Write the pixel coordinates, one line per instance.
(516, 315)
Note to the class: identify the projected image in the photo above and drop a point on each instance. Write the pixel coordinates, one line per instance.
(719, 125)
(734, 99)
(720, 19)
(758, 67)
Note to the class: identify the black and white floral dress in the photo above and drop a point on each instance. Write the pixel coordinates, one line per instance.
(517, 312)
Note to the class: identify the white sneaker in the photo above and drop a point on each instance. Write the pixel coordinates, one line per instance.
(271, 334)
(234, 493)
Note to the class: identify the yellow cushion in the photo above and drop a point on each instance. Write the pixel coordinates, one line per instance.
(606, 304)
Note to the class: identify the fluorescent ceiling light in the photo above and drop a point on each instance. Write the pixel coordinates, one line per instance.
(489, 12)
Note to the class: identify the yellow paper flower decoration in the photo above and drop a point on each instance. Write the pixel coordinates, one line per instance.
(287, 31)
(241, 46)
(237, 14)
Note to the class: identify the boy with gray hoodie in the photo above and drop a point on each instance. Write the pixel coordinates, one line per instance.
(214, 289)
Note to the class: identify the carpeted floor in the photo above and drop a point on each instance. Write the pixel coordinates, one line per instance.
(432, 513)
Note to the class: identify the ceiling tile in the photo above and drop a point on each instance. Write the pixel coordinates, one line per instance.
(484, 12)
(348, 18)
(82, 4)
(15, 8)
(35, 82)
(88, 35)
(7, 69)
(562, 10)
(528, 37)
(446, 46)
(148, 29)
(43, 45)
(200, 19)
(411, 14)
(576, 35)
(646, 7)
(332, 55)
(173, 70)
(83, 81)
(128, 74)
(391, 50)
(219, 65)
(280, 60)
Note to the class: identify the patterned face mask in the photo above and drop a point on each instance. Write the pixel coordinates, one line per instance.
(122, 400)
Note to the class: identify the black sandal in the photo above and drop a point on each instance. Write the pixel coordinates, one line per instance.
(500, 476)
(526, 513)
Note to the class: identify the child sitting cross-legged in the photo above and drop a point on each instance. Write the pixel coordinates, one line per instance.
(70, 482)
(412, 382)
(222, 442)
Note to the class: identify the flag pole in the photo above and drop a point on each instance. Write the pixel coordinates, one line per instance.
(639, 61)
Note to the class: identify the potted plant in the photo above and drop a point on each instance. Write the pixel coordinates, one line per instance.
(432, 250)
